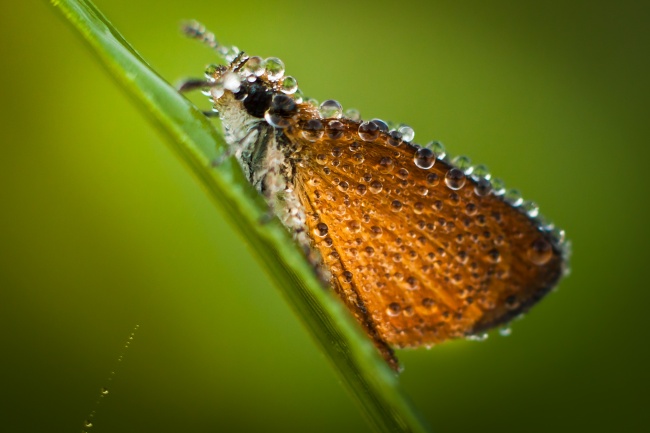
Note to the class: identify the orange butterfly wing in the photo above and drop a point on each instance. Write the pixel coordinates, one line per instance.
(417, 261)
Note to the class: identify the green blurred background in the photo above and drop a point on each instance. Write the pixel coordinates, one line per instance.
(102, 229)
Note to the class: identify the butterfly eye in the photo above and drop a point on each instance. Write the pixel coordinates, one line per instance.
(258, 99)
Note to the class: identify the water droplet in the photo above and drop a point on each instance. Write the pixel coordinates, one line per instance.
(335, 129)
(531, 208)
(354, 226)
(477, 337)
(254, 66)
(277, 120)
(280, 113)
(283, 104)
(361, 189)
(298, 96)
(461, 257)
(313, 130)
(386, 165)
(274, 68)
(376, 232)
(231, 81)
(407, 132)
(289, 85)
(433, 179)
(353, 114)
(321, 159)
(455, 179)
(464, 164)
(540, 251)
(505, 331)
(424, 158)
(428, 303)
(494, 256)
(438, 149)
(498, 186)
(396, 206)
(330, 108)
(103, 391)
(368, 131)
(513, 197)
(211, 71)
(376, 187)
(558, 235)
(393, 309)
(403, 173)
(229, 53)
(483, 187)
(321, 230)
(394, 138)
(215, 91)
(383, 126)
(481, 172)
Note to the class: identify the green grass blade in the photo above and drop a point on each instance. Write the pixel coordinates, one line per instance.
(197, 143)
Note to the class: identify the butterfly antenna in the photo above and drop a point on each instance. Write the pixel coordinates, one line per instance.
(196, 30)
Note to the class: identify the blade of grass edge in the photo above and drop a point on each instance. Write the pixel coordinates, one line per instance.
(194, 139)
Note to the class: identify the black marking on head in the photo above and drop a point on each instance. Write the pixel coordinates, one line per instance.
(258, 98)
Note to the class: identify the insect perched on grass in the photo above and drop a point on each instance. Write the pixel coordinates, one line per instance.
(420, 247)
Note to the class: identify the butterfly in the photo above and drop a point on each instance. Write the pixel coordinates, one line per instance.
(421, 248)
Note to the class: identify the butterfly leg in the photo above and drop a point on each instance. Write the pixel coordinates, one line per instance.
(192, 84)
